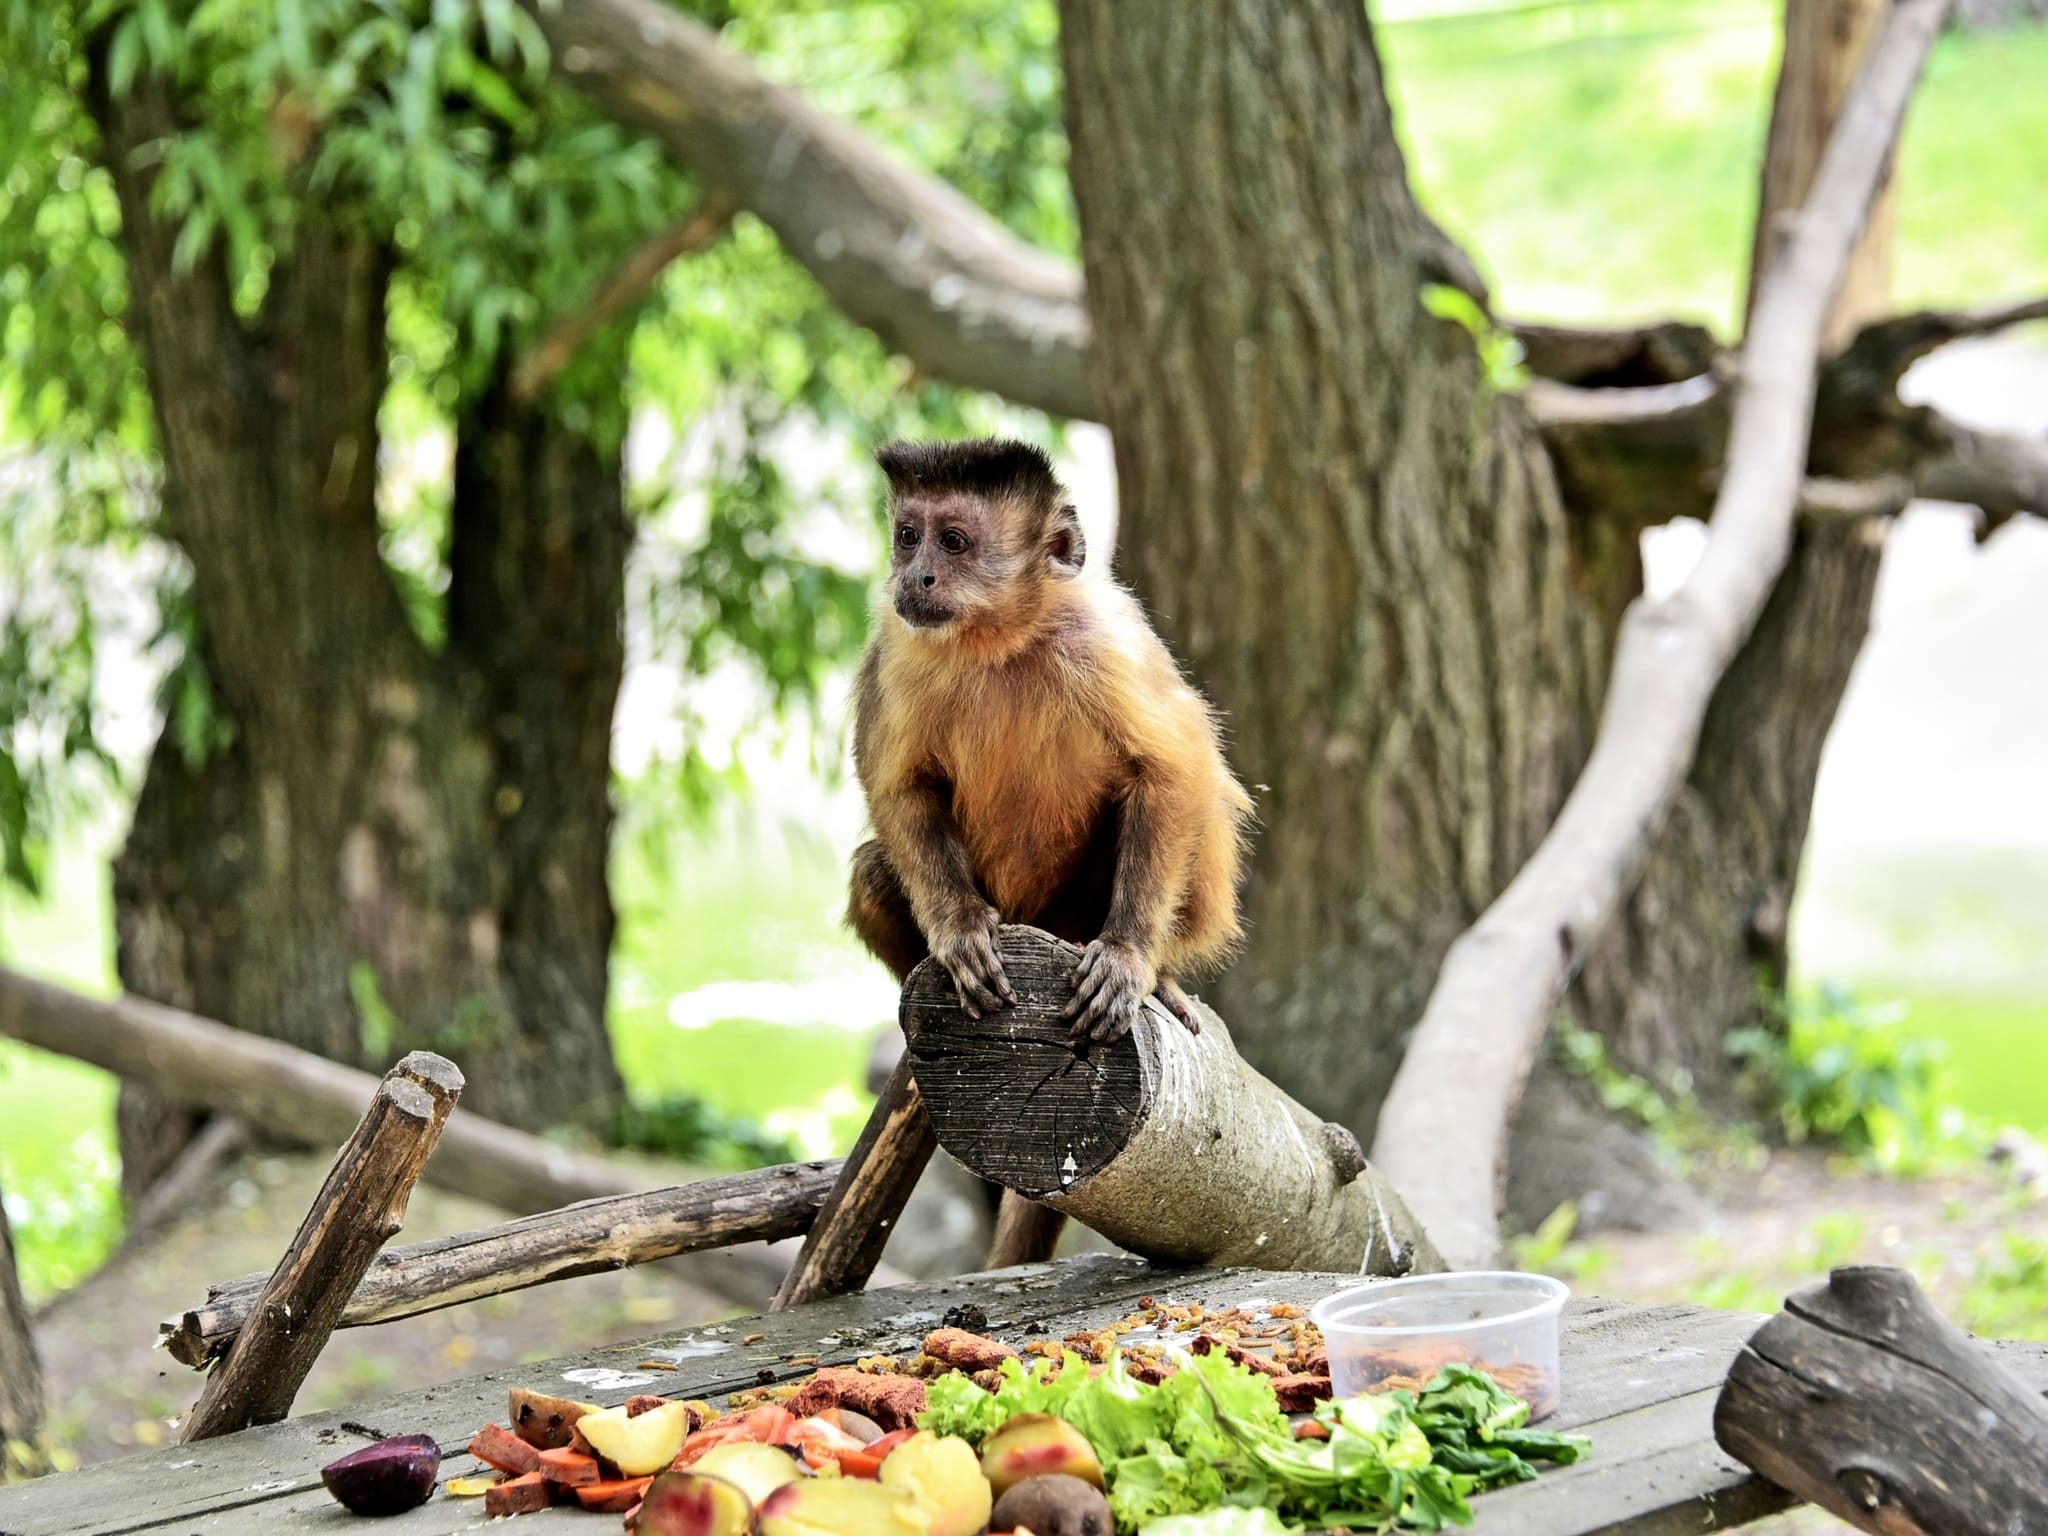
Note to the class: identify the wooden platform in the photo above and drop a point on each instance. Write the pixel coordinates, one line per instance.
(1639, 1379)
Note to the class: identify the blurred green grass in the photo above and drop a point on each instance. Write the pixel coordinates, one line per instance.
(1601, 160)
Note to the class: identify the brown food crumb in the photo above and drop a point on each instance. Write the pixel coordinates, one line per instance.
(1209, 1344)
(964, 1351)
(656, 1365)
(1299, 1393)
(894, 1402)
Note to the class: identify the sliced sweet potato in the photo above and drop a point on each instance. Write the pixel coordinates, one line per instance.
(504, 1450)
(521, 1496)
(571, 1467)
(613, 1498)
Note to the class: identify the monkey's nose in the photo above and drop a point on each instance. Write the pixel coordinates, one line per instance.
(929, 580)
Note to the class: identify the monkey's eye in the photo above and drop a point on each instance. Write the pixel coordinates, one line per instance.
(907, 536)
(953, 541)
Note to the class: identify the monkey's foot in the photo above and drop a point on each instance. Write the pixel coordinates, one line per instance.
(1168, 992)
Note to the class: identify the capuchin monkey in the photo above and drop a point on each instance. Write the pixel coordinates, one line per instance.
(1030, 753)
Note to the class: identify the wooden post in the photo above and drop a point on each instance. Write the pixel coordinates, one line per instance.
(1026, 1232)
(1860, 1398)
(21, 1378)
(845, 1243)
(361, 1205)
(615, 1233)
(1166, 1143)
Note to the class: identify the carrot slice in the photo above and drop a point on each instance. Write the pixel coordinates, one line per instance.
(613, 1498)
(522, 1496)
(504, 1450)
(566, 1466)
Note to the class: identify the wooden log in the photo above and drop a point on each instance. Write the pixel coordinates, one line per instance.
(597, 1235)
(21, 1376)
(1443, 1130)
(1167, 1143)
(359, 1207)
(845, 1243)
(304, 1098)
(1861, 1398)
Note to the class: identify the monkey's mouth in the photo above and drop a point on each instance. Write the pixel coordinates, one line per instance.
(923, 615)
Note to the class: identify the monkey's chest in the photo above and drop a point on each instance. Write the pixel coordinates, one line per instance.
(1037, 816)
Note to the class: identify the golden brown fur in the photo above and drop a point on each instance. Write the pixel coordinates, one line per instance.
(1031, 753)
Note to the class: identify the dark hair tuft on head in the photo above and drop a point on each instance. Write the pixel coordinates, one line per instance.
(991, 467)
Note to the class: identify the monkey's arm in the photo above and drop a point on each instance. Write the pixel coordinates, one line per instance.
(1158, 818)
(915, 822)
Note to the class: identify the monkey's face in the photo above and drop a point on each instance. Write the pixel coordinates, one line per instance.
(960, 560)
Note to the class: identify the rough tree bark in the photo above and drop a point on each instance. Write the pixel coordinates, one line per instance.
(1356, 547)
(21, 1376)
(434, 823)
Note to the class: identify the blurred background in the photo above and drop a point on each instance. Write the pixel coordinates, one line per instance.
(1599, 160)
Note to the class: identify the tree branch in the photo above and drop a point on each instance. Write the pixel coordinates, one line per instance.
(899, 251)
(537, 370)
(1443, 1132)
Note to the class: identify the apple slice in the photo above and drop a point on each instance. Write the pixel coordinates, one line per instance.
(637, 1444)
(944, 1476)
(692, 1504)
(758, 1469)
(841, 1506)
(1033, 1444)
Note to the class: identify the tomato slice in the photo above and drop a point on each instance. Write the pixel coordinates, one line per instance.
(867, 1461)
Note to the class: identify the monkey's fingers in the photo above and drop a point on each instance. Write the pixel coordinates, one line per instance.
(1169, 993)
(1088, 979)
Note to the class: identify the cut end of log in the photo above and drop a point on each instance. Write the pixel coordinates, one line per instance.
(1036, 1131)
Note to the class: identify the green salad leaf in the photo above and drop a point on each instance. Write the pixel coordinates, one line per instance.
(1207, 1451)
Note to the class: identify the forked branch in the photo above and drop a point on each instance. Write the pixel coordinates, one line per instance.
(1443, 1131)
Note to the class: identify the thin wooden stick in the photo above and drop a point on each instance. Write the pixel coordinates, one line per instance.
(1443, 1131)
(635, 275)
(361, 1204)
(21, 1377)
(598, 1235)
(845, 1243)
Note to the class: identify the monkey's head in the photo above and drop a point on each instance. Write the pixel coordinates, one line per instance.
(978, 533)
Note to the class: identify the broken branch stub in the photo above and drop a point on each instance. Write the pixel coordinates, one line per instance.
(1168, 1144)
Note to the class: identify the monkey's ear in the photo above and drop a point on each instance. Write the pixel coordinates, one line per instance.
(1065, 545)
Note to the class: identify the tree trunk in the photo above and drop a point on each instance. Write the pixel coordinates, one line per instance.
(21, 1377)
(1705, 935)
(1360, 552)
(1356, 547)
(398, 849)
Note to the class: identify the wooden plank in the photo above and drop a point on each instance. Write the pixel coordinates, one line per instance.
(178, 1485)
(1618, 1357)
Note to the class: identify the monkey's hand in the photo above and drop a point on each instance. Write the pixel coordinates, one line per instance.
(1110, 985)
(967, 949)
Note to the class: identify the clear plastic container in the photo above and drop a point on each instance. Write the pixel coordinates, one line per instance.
(1391, 1333)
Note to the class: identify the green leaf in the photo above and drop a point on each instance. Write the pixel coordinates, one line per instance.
(124, 55)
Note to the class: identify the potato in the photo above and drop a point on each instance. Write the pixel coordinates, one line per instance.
(943, 1475)
(545, 1422)
(1054, 1504)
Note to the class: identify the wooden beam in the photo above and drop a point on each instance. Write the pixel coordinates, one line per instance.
(357, 1210)
(845, 1244)
(1443, 1130)
(1026, 1232)
(1860, 1398)
(1165, 1142)
(598, 1235)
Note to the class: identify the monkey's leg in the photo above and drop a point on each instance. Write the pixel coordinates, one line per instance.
(878, 911)
(845, 1243)
(1168, 992)
(1026, 1232)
